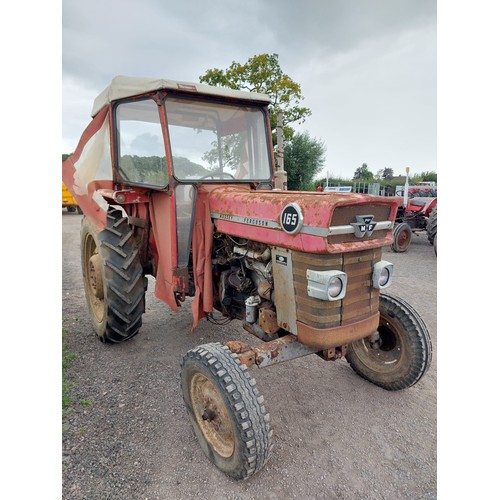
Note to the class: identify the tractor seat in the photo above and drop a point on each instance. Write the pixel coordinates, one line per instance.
(418, 203)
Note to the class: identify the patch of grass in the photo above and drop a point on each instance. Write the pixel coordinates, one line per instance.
(67, 357)
(67, 386)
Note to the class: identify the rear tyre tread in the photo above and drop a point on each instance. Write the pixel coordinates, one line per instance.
(124, 280)
(432, 225)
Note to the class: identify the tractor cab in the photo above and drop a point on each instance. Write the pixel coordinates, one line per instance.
(151, 146)
(174, 142)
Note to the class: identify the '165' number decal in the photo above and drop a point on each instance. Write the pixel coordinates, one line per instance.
(291, 218)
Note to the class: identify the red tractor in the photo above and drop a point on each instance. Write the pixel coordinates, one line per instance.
(177, 180)
(415, 217)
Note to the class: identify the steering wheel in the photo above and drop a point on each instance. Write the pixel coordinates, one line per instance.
(222, 174)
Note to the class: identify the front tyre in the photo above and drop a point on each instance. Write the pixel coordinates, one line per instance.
(401, 355)
(402, 237)
(113, 278)
(226, 410)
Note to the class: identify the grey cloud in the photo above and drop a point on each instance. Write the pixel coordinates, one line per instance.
(367, 67)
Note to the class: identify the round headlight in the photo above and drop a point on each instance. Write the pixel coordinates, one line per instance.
(384, 277)
(334, 287)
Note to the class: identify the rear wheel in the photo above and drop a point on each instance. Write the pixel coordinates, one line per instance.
(432, 225)
(402, 237)
(227, 413)
(113, 278)
(401, 354)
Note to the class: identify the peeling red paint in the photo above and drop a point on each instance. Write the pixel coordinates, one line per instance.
(317, 210)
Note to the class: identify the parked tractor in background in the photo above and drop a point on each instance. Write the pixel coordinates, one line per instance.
(415, 207)
(177, 181)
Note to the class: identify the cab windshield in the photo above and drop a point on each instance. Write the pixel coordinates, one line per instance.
(213, 141)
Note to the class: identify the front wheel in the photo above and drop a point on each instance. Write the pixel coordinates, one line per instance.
(402, 237)
(401, 354)
(227, 413)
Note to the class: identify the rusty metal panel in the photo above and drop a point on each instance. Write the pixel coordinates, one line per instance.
(315, 312)
(268, 320)
(238, 211)
(347, 214)
(361, 300)
(279, 350)
(284, 293)
(312, 319)
(344, 215)
(361, 310)
(318, 263)
(366, 256)
(328, 338)
(311, 311)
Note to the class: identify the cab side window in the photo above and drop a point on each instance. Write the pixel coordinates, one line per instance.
(141, 151)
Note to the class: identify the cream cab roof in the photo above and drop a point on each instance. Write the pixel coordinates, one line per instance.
(129, 86)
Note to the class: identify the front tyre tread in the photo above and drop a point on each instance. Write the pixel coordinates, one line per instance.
(243, 402)
(412, 348)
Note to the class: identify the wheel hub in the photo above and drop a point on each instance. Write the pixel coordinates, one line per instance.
(95, 277)
(384, 348)
(403, 239)
(211, 414)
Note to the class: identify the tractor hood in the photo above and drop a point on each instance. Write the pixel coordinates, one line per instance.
(304, 221)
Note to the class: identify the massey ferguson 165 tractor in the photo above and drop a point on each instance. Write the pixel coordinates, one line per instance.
(417, 215)
(177, 180)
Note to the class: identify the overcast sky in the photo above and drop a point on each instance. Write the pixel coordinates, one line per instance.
(367, 68)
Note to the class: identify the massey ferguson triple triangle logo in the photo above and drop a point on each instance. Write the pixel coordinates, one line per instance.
(363, 226)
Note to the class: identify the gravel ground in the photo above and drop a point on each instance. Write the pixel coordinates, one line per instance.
(336, 436)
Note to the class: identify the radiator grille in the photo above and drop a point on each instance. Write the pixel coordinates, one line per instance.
(361, 299)
(343, 216)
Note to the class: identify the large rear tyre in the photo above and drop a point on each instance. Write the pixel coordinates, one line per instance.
(402, 237)
(401, 355)
(226, 410)
(432, 225)
(113, 278)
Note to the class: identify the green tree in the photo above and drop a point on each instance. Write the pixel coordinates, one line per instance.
(303, 158)
(429, 176)
(363, 174)
(262, 73)
(387, 174)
